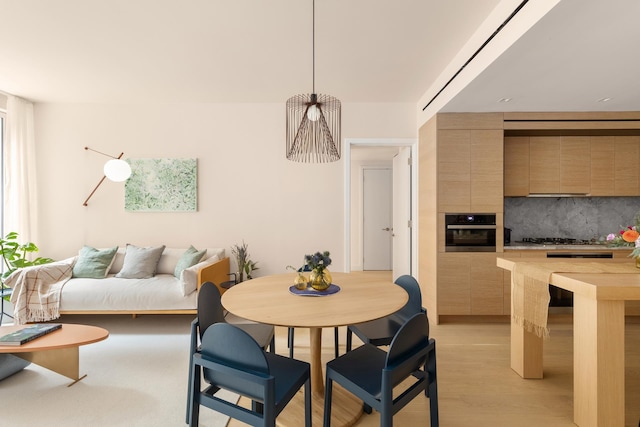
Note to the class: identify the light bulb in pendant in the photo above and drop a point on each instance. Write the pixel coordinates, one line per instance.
(313, 113)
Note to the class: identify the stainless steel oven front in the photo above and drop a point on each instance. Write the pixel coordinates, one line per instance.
(468, 232)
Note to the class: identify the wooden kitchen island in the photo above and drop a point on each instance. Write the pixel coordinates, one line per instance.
(598, 344)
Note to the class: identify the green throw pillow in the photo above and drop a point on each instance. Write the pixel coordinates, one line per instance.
(140, 263)
(189, 258)
(94, 263)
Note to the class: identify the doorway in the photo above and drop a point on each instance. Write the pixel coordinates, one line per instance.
(377, 218)
(353, 197)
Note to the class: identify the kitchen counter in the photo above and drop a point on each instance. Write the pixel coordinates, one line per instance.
(537, 247)
(599, 339)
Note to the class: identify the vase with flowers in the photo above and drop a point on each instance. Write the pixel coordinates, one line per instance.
(319, 278)
(629, 236)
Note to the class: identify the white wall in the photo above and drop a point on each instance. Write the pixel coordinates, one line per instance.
(247, 188)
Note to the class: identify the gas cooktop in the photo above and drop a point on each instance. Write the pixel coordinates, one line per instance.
(558, 241)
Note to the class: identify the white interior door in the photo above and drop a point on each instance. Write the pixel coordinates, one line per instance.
(377, 219)
(402, 213)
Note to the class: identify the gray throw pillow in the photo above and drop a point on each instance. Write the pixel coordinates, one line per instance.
(94, 263)
(189, 258)
(140, 263)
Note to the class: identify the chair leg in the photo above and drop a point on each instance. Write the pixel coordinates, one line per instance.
(327, 402)
(290, 342)
(349, 339)
(272, 344)
(432, 388)
(307, 403)
(194, 401)
(336, 341)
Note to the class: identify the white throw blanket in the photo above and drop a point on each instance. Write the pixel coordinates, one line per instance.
(36, 291)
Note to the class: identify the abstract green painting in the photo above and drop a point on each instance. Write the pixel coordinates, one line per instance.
(161, 185)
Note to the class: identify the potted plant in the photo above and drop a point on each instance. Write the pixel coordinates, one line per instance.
(15, 255)
(244, 264)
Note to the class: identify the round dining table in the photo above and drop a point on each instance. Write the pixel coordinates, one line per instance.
(273, 300)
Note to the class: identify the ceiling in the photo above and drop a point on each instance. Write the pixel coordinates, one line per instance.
(123, 51)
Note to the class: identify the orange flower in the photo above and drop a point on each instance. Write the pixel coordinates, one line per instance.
(630, 236)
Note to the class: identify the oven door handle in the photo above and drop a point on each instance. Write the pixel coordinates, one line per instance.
(471, 227)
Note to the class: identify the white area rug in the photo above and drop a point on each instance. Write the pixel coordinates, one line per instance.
(136, 377)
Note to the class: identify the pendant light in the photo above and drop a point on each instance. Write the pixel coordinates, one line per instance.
(313, 122)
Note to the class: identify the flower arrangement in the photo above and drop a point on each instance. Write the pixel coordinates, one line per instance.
(320, 278)
(318, 261)
(628, 236)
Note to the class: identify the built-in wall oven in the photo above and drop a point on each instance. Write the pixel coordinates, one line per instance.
(468, 232)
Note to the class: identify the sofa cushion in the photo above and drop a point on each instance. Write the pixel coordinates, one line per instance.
(168, 259)
(189, 276)
(189, 258)
(140, 263)
(94, 263)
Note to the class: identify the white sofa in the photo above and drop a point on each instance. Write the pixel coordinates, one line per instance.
(163, 293)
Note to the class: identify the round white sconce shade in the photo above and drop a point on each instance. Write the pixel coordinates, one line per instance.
(117, 170)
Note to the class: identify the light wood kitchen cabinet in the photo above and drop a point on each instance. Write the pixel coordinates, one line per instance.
(575, 164)
(470, 170)
(469, 284)
(614, 165)
(602, 166)
(454, 287)
(626, 157)
(559, 165)
(516, 166)
(544, 165)
(487, 295)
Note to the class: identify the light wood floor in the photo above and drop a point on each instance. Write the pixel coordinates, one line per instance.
(477, 387)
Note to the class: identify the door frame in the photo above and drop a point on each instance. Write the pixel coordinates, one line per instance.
(382, 142)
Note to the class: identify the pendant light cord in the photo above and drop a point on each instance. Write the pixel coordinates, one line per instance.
(313, 45)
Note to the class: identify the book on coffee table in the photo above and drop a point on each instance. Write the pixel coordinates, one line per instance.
(29, 333)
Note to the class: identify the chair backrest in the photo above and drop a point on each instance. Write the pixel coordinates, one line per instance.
(234, 350)
(414, 305)
(408, 349)
(209, 308)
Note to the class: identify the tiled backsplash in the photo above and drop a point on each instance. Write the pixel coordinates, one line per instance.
(573, 217)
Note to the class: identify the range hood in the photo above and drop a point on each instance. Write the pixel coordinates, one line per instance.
(559, 195)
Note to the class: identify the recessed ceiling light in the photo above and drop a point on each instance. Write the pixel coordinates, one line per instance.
(607, 99)
(504, 100)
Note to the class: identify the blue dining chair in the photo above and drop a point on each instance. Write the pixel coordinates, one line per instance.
(210, 312)
(241, 366)
(371, 374)
(380, 332)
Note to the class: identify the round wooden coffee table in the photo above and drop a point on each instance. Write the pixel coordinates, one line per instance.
(59, 350)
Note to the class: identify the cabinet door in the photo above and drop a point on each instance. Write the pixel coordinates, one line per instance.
(487, 170)
(454, 171)
(544, 164)
(627, 155)
(516, 166)
(454, 291)
(575, 164)
(487, 293)
(602, 166)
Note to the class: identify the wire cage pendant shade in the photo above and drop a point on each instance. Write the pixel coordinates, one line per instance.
(313, 121)
(313, 128)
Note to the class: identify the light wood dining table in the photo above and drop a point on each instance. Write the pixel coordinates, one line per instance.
(598, 338)
(361, 298)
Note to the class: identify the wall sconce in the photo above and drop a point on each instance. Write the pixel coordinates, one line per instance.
(116, 170)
